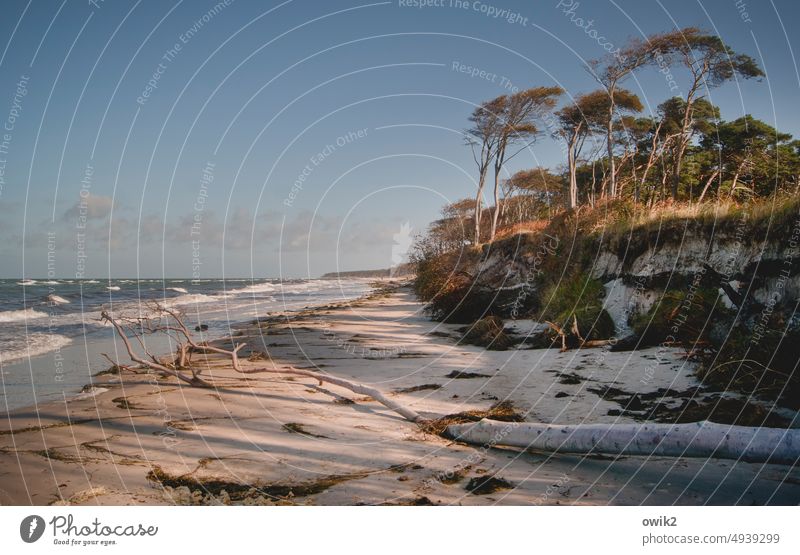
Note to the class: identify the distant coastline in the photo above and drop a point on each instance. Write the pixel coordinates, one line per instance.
(402, 270)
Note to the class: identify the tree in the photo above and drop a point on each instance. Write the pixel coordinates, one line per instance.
(451, 231)
(682, 132)
(710, 63)
(750, 148)
(587, 115)
(482, 139)
(612, 70)
(517, 126)
(576, 122)
(537, 190)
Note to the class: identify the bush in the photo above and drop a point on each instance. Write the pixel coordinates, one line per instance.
(578, 297)
(764, 364)
(681, 316)
(487, 332)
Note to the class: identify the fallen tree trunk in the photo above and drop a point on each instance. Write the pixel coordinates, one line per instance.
(187, 345)
(698, 439)
(701, 439)
(355, 387)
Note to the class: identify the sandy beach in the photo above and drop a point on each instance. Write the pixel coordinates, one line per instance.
(136, 438)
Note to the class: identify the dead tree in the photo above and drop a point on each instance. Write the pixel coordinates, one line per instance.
(700, 439)
(186, 346)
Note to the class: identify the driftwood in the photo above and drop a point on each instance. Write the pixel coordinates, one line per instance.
(187, 345)
(698, 439)
(701, 439)
(574, 339)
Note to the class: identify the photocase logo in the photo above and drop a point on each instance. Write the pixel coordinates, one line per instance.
(31, 528)
(401, 244)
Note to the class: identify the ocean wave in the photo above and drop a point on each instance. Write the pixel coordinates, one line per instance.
(193, 298)
(32, 345)
(27, 282)
(113, 288)
(93, 391)
(179, 289)
(55, 299)
(257, 288)
(21, 315)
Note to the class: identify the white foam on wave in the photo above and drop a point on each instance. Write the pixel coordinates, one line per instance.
(27, 282)
(88, 394)
(113, 288)
(21, 315)
(32, 345)
(179, 289)
(192, 299)
(256, 288)
(55, 299)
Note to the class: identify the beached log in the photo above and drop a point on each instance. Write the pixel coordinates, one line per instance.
(355, 387)
(698, 439)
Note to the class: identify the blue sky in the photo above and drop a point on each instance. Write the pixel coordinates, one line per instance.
(187, 158)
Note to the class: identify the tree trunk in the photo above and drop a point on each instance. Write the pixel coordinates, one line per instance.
(735, 182)
(698, 439)
(478, 201)
(685, 134)
(651, 158)
(496, 212)
(676, 171)
(612, 183)
(573, 173)
(707, 185)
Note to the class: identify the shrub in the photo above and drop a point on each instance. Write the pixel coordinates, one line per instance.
(681, 316)
(763, 364)
(487, 332)
(578, 297)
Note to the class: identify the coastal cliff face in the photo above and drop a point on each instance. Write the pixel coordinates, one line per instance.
(754, 270)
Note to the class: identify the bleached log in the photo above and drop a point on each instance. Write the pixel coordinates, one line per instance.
(189, 345)
(355, 387)
(698, 439)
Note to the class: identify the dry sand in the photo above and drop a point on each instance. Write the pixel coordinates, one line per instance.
(139, 439)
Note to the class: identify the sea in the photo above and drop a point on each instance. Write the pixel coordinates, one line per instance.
(52, 339)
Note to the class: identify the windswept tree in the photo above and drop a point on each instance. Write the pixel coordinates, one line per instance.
(532, 194)
(576, 122)
(653, 142)
(482, 137)
(710, 63)
(585, 116)
(751, 156)
(610, 71)
(518, 129)
(704, 121)
(454, 228)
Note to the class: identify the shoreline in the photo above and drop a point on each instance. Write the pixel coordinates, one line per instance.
(64, 371)
(272, 440)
